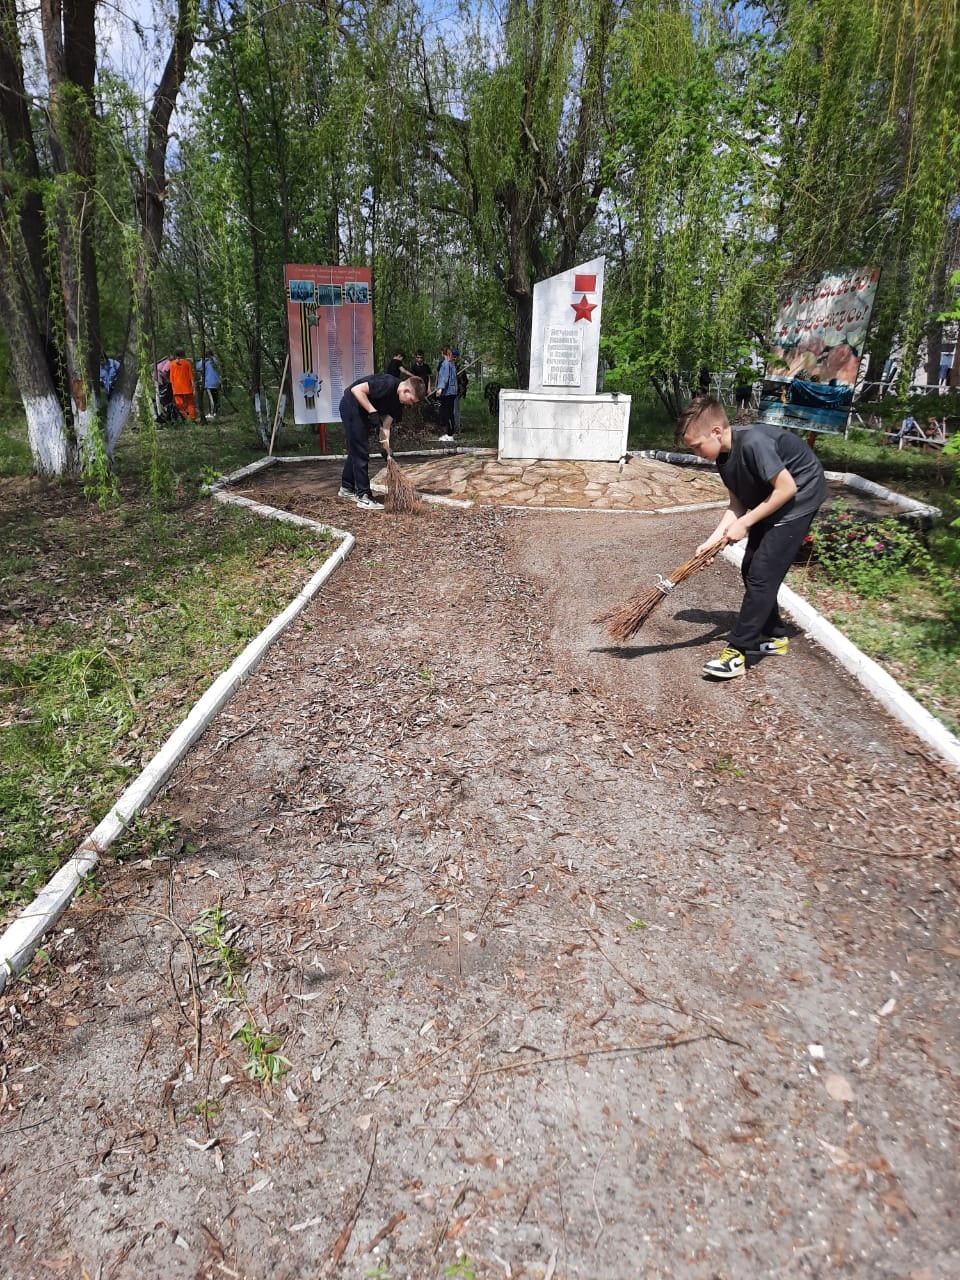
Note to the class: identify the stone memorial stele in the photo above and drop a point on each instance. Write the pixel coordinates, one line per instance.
(561, 415)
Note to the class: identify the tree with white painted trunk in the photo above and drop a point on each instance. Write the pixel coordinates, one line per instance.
(49, 204)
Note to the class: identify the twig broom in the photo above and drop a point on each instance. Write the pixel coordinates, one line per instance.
(401, 495)
(625, 620)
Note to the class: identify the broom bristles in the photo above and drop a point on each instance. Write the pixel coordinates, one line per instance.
(401, 495)
(625, 620)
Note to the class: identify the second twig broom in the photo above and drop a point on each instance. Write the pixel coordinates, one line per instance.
(625, 620)
(401, 495)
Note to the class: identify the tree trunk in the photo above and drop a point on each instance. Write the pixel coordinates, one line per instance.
(70, 46)
(18, 132)
(60, 390)
(151, 202)
(523, 332)
(52, 442)
(52, 445)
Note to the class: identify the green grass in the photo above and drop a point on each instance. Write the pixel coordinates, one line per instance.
(216, 937)
(112, 623)
(910, 625)
(906, 617)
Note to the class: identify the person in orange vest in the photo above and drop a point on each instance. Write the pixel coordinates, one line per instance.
(181, 384)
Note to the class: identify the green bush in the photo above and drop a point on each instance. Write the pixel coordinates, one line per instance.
(871, 557)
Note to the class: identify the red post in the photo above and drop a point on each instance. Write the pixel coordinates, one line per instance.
(322, 433)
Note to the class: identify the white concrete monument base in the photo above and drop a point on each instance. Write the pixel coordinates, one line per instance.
(535, 424)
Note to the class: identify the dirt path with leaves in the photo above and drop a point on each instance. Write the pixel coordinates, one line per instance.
(582, 967)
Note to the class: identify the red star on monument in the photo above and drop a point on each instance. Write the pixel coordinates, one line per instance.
(582, 309)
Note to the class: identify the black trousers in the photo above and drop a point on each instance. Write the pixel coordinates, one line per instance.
(447, 405)
(356, 469)
(771, 550)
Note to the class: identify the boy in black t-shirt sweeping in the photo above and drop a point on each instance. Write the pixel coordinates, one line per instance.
(776, 485)
(372, 403)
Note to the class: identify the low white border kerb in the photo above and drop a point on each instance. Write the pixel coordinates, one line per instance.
(21, 938)
(869, 673)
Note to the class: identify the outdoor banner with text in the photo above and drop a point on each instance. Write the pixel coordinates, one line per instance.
(816, 348)
(330, 319)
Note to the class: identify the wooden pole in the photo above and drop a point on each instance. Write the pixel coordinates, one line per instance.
(281, 401)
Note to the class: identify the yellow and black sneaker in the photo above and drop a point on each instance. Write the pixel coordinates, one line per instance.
(772, 644)
(730, 663)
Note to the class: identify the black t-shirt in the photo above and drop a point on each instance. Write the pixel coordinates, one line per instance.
(759, 453)
(422, 371)
(395, 368)
(382, 394)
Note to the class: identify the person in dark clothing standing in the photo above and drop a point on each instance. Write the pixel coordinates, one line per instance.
(372, 403)
(460, 364)
(422, 370)
(418, 418)
(396, 369)
(776, 485)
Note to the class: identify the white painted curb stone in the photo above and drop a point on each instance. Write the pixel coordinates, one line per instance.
(870, 674)
(21, 938)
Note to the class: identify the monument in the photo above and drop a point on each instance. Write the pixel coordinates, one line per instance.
(561, 415)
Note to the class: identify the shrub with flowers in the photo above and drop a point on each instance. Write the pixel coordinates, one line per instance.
(871, 556)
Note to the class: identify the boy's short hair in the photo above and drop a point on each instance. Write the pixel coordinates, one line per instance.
(701, 409)
(418, 388)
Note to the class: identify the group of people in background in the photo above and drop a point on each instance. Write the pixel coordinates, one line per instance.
(176, 385)
(449, 389)
(177, 381)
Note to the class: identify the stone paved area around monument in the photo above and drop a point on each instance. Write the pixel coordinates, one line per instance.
(639, 484)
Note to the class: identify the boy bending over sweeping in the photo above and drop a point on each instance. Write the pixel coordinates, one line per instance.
(372, 403)
(776, 485)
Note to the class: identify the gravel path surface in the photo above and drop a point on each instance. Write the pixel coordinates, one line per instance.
(583, 966)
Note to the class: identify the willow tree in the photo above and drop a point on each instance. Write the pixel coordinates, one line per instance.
(297, 152)
(690, 166)
(752, 146)
(513, 125)
(49, 208)
(250, 192)
(870, 154)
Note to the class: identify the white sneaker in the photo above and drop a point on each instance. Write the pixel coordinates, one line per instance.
(366, 503)
(445, 439)
(347, 494)
(731, 663)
